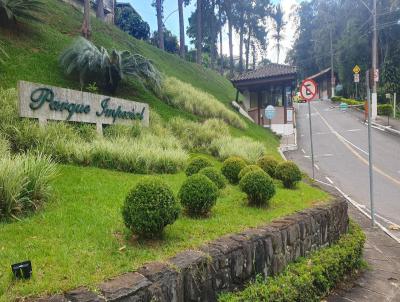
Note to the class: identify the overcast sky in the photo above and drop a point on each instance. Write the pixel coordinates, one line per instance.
(148, 13)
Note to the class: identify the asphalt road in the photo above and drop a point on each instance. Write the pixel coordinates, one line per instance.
(341, 157)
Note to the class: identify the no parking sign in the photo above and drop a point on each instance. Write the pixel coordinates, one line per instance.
(308, 89)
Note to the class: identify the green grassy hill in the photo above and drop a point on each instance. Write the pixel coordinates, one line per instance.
(34, 49)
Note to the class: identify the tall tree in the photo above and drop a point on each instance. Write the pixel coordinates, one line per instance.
(213, 34)
(229, 11)
(199, 34)
(279, 27)
(221, 23)
(181, 29)
(86, 29)
(100, 9)
(160, 24)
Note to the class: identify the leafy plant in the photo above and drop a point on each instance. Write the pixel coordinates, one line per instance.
(198, 195)
(92, 87)
(149, 208)
(24, 183)
(248, 169)
(3, 54)
(215, 176)
(97, 64)
(311, 278)
(268, 164)
(232, 167)
(289, 173)
(12, 10)
(258, 186)
(196, 164)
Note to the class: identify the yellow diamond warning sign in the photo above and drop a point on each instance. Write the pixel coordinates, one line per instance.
(356, 69)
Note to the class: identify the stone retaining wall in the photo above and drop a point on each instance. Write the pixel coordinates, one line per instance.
(224, 264)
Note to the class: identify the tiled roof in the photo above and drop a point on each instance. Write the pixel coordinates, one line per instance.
(320, 73)
(271, 70)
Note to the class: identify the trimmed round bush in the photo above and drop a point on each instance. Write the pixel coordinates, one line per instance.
(288, 173)
(215, 176)
(149, 207)
(232, 167)
(198, 195)
(196, 164)
(268, 164)
(258, 186)
(248, 169)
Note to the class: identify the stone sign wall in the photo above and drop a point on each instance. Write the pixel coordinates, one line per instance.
(225, 264)
(45, 102)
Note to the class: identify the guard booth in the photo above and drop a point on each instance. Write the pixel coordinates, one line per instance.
(272, 85)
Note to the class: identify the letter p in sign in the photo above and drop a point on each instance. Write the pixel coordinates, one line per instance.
(308, 89)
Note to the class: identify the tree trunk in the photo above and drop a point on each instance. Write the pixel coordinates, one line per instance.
(241, 49)
(181, 29)
(160, 24)
(254, 55)
(213, 35)
(220, 40)
(199, 34)
(248, 49)
(86, 30)
(231, 63)
(100, 10)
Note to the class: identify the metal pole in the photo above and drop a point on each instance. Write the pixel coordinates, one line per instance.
(371, 168)
(356, 91)
(332, 71)
(374, 100)
(311, 138)
(394, 104)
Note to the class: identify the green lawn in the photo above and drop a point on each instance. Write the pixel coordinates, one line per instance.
(80, 239)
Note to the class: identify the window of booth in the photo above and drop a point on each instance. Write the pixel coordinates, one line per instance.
(253, 100)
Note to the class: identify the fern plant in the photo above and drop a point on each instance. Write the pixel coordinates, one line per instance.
(11, 10)
(91, 63)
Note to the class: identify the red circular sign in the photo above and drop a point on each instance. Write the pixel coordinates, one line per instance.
(308, 89)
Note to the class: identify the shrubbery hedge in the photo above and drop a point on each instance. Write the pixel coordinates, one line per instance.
(268, 164)
(385, 109)
(312, 278)
(258, 186)
(196, 164)
(232, 167)
(248, 169)
(149, 208)
(215, 176)
(288, 173)
(198, 195)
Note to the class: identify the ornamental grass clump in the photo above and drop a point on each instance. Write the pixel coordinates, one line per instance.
(198, 102)
(289, 173)
(149, 208)
(268, 164)
(259, 188)
(232, 167)
(243, 147)
(198, 195)
(25, 184)
(196, 164)
(215, 176)
(248, 169)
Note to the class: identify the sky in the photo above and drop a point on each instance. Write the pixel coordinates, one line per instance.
(148, 14)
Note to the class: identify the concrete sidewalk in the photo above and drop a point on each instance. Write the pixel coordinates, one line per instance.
(381, 281)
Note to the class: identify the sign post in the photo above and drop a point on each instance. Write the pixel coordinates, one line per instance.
(356, 71)
(370, 166)
(270, 113)
(308, 91)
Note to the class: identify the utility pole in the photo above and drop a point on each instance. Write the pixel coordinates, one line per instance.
(374, 99)
(332, 71)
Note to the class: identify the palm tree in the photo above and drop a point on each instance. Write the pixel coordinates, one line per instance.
(92, 63)
(100, 9)
(12, 10)
(86, 29)
(199, 38)
(279, 27)
(159, 8)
